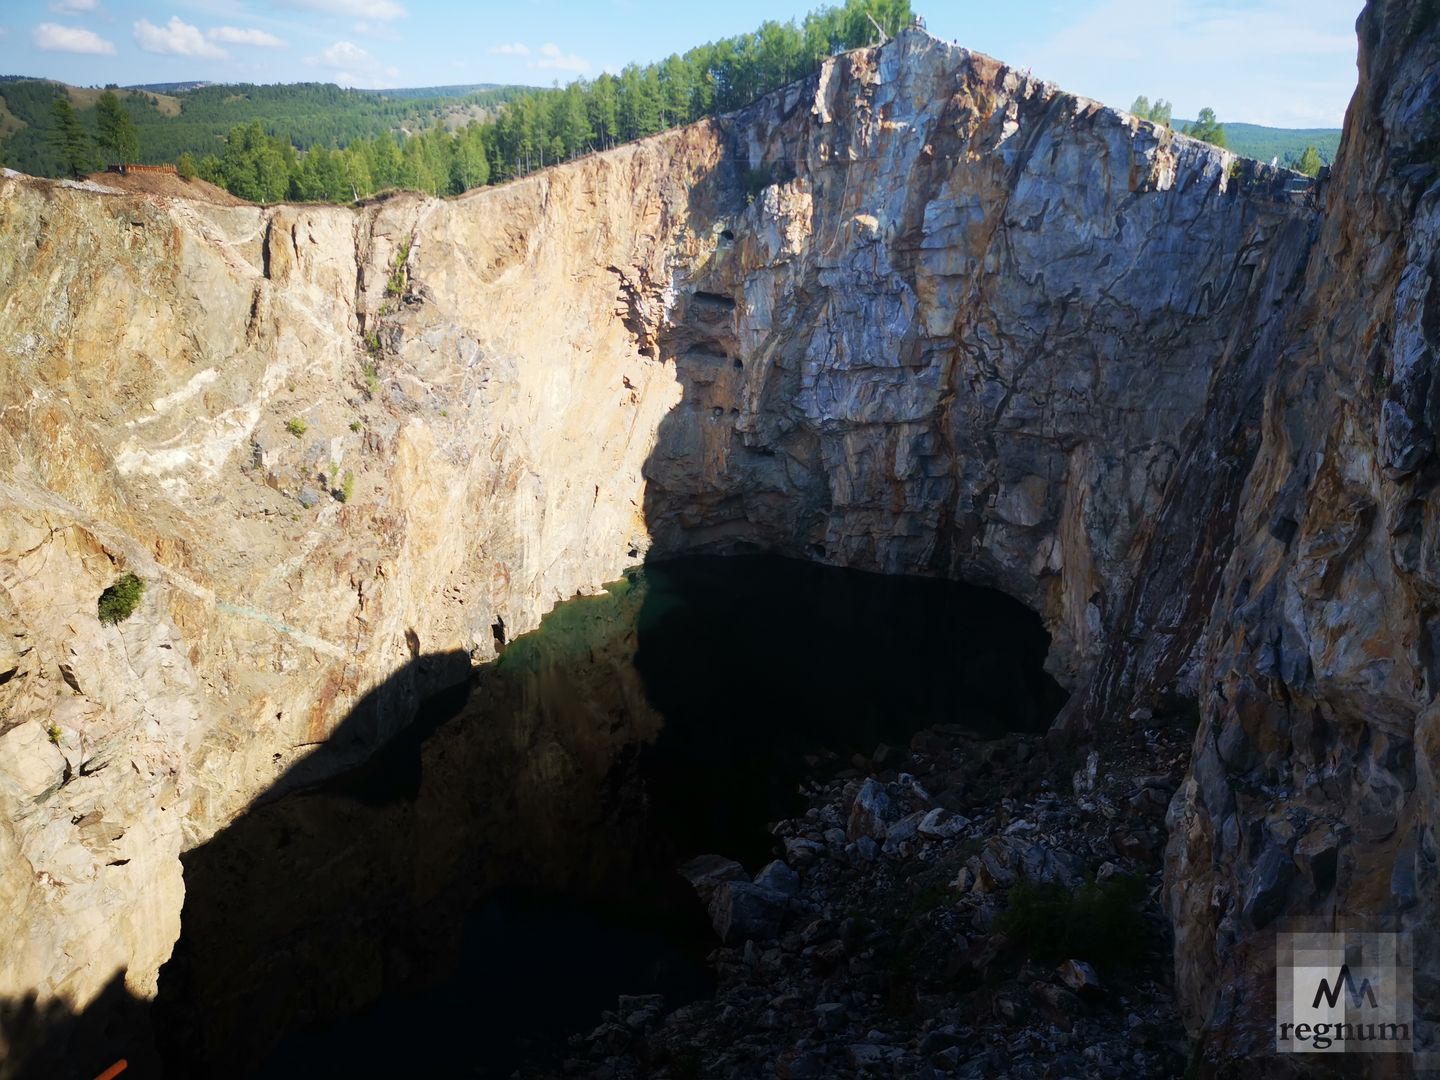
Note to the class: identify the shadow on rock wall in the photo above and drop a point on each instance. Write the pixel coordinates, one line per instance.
(50, 1040)
(492, 877)
(494, 831)
(483, 877)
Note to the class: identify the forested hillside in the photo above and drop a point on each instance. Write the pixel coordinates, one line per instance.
(1302, 149)
(1286, 144)
(198, 121)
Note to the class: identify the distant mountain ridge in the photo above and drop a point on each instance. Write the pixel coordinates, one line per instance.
(458, 90)
(171, 87)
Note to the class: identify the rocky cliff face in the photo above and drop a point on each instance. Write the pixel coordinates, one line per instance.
(920, 314)
(1313, 785)
(189, 383)
(965, 335)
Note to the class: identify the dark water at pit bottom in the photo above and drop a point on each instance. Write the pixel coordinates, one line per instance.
(485, 885)
(756, 662)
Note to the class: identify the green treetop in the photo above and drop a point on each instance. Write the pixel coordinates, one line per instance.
(1309, 162)
(71, 140)
(1207, 128)
(1159, 113)
(114, 130)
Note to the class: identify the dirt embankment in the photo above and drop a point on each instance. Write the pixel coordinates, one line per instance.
(152, 183)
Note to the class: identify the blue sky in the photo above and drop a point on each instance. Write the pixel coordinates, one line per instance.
(1287, 63)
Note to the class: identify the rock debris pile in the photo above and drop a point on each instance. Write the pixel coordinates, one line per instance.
(905, 926)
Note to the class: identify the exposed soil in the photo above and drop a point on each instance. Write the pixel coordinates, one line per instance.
(150, 183)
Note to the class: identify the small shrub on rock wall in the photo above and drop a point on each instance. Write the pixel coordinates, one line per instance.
(119, 601)
(396, 285)
(755, 181)
(1102, 922)
(296, 426)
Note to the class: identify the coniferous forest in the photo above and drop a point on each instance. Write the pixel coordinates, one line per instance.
(311, 142)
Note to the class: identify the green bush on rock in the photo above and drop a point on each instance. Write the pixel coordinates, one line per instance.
(1102, 922)
(119, 601)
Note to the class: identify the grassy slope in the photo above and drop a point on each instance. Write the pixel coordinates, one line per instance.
(83, 97)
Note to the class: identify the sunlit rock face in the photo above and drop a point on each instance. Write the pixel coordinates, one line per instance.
(918, 314)
(969, 335)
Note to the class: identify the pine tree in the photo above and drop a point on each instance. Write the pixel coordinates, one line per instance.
(573, 121)
(71, 140)
(1309, 162)
(114, 130)
(1207, 128)
(603, 107)
(469, 167)
(1159, 113)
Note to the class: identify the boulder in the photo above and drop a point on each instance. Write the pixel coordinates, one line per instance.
(778, 877)
(903, 830)
(873, 812)
(743, 911)
(706, 873)
(942, 824)
(1080, 977)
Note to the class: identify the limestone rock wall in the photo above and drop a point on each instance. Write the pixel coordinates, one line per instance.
(192, 391)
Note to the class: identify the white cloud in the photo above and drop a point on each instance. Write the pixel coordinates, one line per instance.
(1285, 63)
(345, 54)
(378, 31)
(355, 9)
(551, 57)
(235, 35)
(54, 38)
(514, 48)
(354, 66)
(74, 7)
(175, 38)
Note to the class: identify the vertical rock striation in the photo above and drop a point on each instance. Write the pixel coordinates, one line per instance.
(965, 328)
(1313, 787)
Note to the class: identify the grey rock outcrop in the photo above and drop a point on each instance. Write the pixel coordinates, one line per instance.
(966, 333)
(1312, 791)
